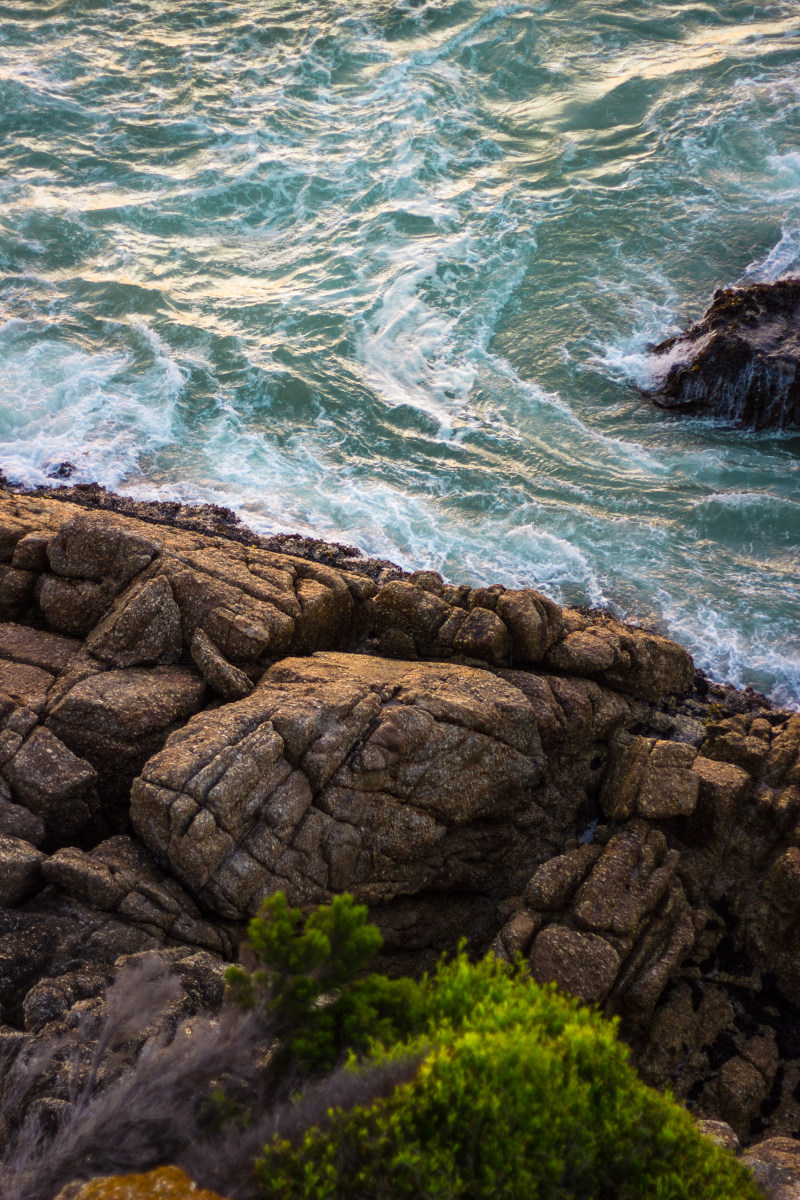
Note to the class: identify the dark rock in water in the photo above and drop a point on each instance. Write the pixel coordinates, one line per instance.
(741, 361)
(62, 470)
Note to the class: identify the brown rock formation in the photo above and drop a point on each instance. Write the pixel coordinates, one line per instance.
(193, 718)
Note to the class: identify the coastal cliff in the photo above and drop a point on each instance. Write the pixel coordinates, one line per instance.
(193, 717)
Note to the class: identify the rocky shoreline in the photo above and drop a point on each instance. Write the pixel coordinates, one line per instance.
(193, 716)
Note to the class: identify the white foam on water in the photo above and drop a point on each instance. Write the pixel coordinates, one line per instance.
(415, 531)
(408, 348)
(525, 554)
(416, 339)
(782, 189)
(768, 658)
(746, 500)
(60, 403)
(627, 454)
(633, 362)
(782, 260)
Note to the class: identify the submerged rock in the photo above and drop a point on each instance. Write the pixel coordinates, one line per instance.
(741, 362)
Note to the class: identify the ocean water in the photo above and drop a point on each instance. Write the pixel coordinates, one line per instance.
(387, 271)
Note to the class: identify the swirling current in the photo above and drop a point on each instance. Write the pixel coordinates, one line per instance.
(387, 271)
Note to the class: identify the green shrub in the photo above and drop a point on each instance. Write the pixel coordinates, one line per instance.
(306, 988)
(521, 1094)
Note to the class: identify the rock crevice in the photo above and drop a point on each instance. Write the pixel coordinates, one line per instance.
(190, 722)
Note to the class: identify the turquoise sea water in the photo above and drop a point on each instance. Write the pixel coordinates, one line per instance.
(387, 272)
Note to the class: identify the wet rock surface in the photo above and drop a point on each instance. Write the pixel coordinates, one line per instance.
(190, 721)
(741, 362)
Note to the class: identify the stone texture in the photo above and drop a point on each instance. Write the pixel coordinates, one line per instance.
(533, 621)
(340, 772)
(53, 783)
(156, 992)
(116, 719)
(220, 675)
(653, 779)
(143, 626)
(775, 1163)
(244, 627)
(482, 635)
(721, 1133)
(51, 934)
(20, 874)
(119, 876)
(723, 788)
(105, 576)
(25, 684)
(614, 921)
(36, 647)
(16, 591)
(633, 660)
(412, 611)
(72, 606)
(448, 753)
(583, 964)
(54, 934)
(12, 530)
(555, 882)
(516, 936)
(741, 360)
(571, 714)
(99, 548)
(730, 744)
(503, 627)
(17, 821)
(740, 1090)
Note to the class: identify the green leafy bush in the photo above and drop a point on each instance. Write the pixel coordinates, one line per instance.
(521, 1093)
(307, 988)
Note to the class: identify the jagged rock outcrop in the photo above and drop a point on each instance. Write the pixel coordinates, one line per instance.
(775, 1163)
(344, 773)
(741, 362)
(189, 723)
(607, 922)
(135, 1000)
(685, 920)
(141, 593)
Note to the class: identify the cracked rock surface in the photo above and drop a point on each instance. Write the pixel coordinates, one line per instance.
(193, 717)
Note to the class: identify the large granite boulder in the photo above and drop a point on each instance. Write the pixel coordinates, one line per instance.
(741, 362)
(20, 874)
(116, 719)
(343, 773)
(502, 627)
